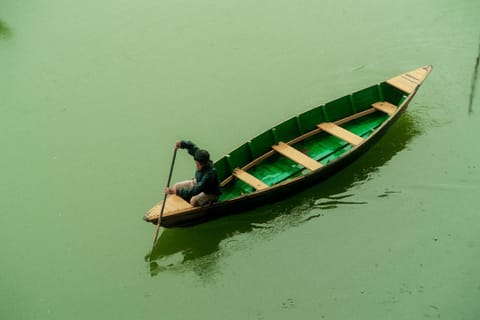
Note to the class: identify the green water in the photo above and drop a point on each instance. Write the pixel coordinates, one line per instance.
(93, 96)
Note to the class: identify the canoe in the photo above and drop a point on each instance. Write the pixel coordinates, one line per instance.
(299, 152)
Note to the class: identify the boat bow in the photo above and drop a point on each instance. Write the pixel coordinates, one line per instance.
(410, 81)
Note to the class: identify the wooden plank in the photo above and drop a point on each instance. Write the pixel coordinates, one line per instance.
(385, 106)
(409, 81)
(403, 84)
(174, 203)
(249, 179)
(297, 156)
(418, 74)
(341, 133)
(413, 77)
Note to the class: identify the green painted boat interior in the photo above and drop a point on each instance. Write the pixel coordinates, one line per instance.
(322, 147)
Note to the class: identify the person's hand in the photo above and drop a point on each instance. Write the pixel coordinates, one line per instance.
(169, 191)
(178, 144)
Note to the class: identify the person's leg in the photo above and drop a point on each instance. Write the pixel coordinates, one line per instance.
(183, 184)
(203, 198)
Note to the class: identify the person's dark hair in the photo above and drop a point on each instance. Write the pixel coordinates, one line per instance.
(201, 156)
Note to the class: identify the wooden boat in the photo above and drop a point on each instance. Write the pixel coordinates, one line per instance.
(300, 151)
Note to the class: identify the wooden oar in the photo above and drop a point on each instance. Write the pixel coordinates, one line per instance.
(164, 199)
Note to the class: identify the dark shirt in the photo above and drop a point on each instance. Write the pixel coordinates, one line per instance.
(207, 180)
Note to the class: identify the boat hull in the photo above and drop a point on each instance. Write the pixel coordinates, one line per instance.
(274, 194)
(282, 190)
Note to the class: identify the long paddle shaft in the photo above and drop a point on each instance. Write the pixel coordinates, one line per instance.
(165, 198)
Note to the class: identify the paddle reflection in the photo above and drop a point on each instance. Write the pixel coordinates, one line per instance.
(199, 248)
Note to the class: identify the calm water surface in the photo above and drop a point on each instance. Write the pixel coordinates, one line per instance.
(94, 95)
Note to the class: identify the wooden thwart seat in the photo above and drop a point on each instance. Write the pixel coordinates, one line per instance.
(297, 156)
(249, 179)
(385, 106)
(341, 133)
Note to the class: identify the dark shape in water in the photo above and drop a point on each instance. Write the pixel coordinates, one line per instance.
(4, 30)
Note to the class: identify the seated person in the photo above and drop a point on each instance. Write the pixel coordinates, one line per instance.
(204, 188)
